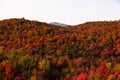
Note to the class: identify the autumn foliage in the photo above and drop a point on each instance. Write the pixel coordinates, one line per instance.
(32, 50)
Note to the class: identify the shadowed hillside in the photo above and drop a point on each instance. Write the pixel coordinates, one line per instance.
(32, 50)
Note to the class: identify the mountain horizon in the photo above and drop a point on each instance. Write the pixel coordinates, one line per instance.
(62, 24)
(59, 24)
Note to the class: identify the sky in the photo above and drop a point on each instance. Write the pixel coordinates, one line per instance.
(71, 12)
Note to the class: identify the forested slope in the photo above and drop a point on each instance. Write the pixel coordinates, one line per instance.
(32, 50)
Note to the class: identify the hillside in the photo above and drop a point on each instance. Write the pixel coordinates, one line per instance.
(32, 50)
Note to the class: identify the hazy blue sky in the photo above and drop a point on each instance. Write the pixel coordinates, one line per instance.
(65, 11)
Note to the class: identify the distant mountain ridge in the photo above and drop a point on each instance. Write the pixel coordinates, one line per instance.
(58, 24)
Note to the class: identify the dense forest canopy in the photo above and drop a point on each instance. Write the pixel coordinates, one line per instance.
(32, 50)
